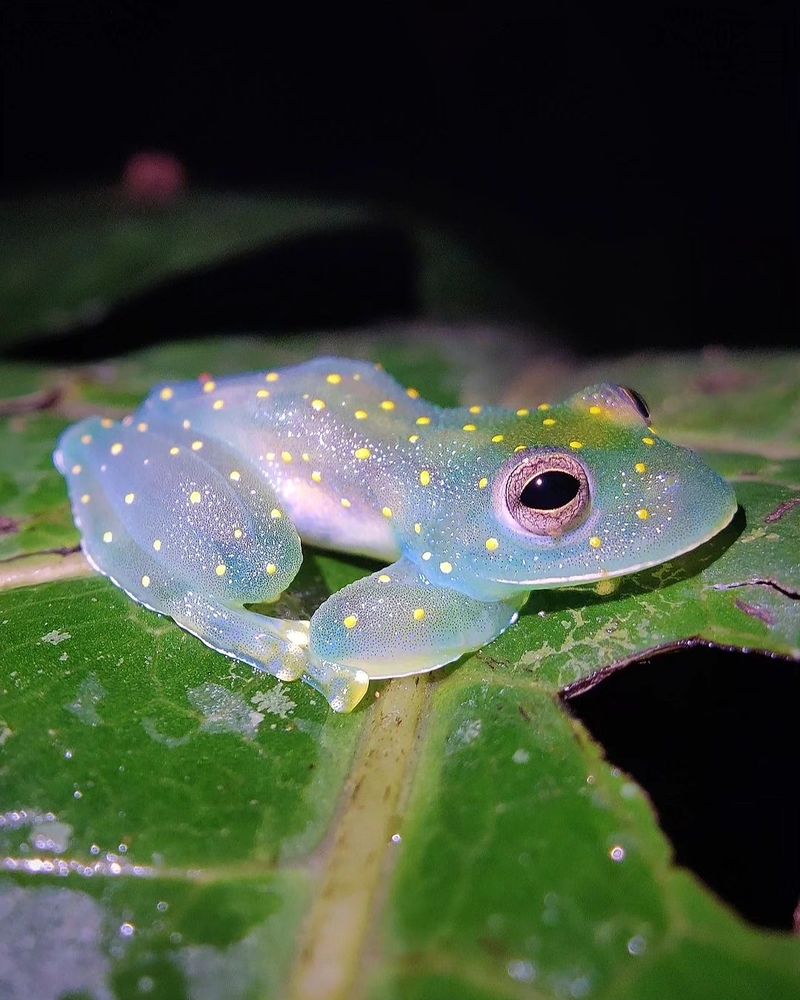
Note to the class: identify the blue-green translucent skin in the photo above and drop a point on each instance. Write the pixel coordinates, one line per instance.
(196, 505)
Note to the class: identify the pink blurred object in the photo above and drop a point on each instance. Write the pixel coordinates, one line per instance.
(153, 177)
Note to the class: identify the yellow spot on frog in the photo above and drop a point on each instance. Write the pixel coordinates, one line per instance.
(605, 587)
(187, 424)
(108, 537)
(318, 404)
(76, 470)
(141, 427)
(105, 422)
(116, 448)
(549, 422)
(145, 581)
(174, 450)
(86, 439)
(157, 544)
(275, 514)
(361, 414)
(446, 567)
(387, 404)
(595, 410)
(469, 427)
(423, 421)
(350, 621)
(418, 528)
(414, 438)
(195, 496)
(218, 404)
(492, 545)
(544, 407)
(643, 514)
(235, 475)
(641, 468)
(419, 614)
(483, 483)
(521, 447)
(197, 445)
(576, 445)
(272, 376)
(263, 394)
(316, 476)
(130, 497)
(345, 502)
(475, 409)
(167, 393)
(333, 378)
(596, 542)
(362, 454)
(384, 578)
(272, 569)
(209, 386)
(523, 412)
(237, 532)
(424, 478)
(648, 441)
(286, 456)
(221, 570)
(85, 498)
(387, 512)
(498, 438)
(412, 393)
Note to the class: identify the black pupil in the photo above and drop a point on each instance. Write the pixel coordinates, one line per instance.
(639, 400)
(549, 490)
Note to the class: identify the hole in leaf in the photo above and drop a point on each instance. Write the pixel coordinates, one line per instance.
(711, 736)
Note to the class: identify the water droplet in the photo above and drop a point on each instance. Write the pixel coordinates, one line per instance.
(521, 756)
(77, 794)
(521, 971)
(617, 853)
(637, 945)
(396, 838)
(145, 984)
(162, 906)
(127, 930)
(94, 849)
(580, 987)
(67, 755)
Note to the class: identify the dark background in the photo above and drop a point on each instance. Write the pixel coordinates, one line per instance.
(633, 174)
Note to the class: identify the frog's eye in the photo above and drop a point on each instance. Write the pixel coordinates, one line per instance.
(548, 494)
(638, 401)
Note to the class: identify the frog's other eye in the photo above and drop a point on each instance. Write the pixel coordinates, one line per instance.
(638, 401)
(548, 494)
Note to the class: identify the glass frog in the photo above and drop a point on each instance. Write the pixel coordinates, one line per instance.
(196, 506)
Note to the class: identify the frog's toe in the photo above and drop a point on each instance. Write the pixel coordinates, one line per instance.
(343, 686)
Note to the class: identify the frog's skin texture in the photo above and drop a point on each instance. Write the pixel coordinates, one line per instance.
(197, 503)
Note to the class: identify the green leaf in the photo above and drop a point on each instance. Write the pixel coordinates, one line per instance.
(177, 825)
(69, 258)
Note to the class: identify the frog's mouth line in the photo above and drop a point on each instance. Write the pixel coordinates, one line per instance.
(558, 581)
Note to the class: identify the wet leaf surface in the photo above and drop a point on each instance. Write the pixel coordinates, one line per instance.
(174, 825)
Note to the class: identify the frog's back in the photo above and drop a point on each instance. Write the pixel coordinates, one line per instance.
(329, 435)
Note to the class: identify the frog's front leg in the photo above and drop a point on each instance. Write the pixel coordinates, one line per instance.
(396, 622)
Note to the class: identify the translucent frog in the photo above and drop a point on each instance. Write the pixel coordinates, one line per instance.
(196, 506)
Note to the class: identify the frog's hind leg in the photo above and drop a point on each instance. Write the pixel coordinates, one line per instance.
(186, 538)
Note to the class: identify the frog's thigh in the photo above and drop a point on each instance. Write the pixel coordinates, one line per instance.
(184, 542)
(396, 623)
